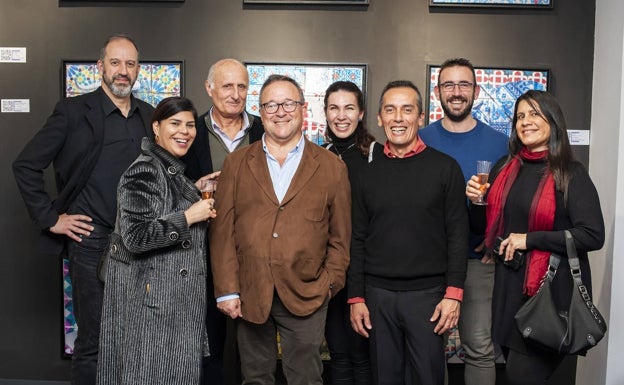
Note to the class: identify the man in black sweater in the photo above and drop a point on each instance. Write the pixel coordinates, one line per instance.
(410, 233)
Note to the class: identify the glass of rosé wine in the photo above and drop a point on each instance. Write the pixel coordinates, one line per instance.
(483, 173)
(208, 188)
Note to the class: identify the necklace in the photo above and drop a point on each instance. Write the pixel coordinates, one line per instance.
(339, 153)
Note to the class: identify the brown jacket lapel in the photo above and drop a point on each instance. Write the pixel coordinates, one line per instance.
(303, 174)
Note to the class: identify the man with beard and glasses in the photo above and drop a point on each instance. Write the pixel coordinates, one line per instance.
(467, 139)
(90, 140)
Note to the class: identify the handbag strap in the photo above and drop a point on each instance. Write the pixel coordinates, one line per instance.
(553, 265)
(572, 255)
(573, 261)
(370, 151)
(575, 266)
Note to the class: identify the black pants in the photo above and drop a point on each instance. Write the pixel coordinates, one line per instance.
(87, 296)
(350, 359)
(402, 337)
(212, 366)
(534, 369)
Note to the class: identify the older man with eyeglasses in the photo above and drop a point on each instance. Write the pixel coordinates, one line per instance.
(280, 245)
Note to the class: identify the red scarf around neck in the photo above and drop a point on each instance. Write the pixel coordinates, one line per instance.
(541, 215)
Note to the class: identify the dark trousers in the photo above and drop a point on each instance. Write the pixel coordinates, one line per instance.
(402, 336)
(530, 369)
(87, 296)
(300, 339)
(212, 366)
(350, 362)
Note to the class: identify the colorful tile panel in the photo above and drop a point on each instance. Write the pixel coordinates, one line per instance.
(314, 80)
(156, 81)
(499, 90)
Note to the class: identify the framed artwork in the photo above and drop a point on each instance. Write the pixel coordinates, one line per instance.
(120, 1)
(314, 79)
(500, 87)
(493, 3)
(156, 81)
(312, 2)
(70, 329)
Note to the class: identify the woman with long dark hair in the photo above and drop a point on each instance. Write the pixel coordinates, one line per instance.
(536, 193)
(153, 328)
(351, 141)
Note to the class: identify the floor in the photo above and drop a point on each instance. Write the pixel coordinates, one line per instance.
(455, 371)
(564, 376)
(6, 381)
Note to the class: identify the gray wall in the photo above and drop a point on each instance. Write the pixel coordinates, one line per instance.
(397, 38)
(603, 364)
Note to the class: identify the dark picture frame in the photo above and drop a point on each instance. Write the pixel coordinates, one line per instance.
(314, 78)
(536, 4)
(308, 2)
(500, 88)
(156, 81)
(119, 1)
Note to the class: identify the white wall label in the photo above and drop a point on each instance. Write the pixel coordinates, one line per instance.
(12, 54)
(579, 137)
(15, 105)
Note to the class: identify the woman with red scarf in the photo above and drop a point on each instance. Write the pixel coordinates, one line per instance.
(535, 193)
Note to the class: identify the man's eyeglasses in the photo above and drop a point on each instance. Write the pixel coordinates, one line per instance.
(288, 106)
(450, 86)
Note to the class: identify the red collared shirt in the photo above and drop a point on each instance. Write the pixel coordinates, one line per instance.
(418, 148)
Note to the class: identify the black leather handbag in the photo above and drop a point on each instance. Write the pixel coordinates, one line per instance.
(571, 331)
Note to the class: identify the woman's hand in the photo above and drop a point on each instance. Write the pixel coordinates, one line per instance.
(512, 243)
(472, 189)
(200, 211)
(214, 176)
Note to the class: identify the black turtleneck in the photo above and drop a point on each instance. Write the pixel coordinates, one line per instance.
(347, 150)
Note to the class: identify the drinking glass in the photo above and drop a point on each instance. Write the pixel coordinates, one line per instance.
(208, 188)
(483, 173)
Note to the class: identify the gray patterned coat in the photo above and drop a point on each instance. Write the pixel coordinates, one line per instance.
(155, 294)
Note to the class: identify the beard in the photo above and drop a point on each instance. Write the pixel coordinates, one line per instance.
(457, 116)
(117, 90)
